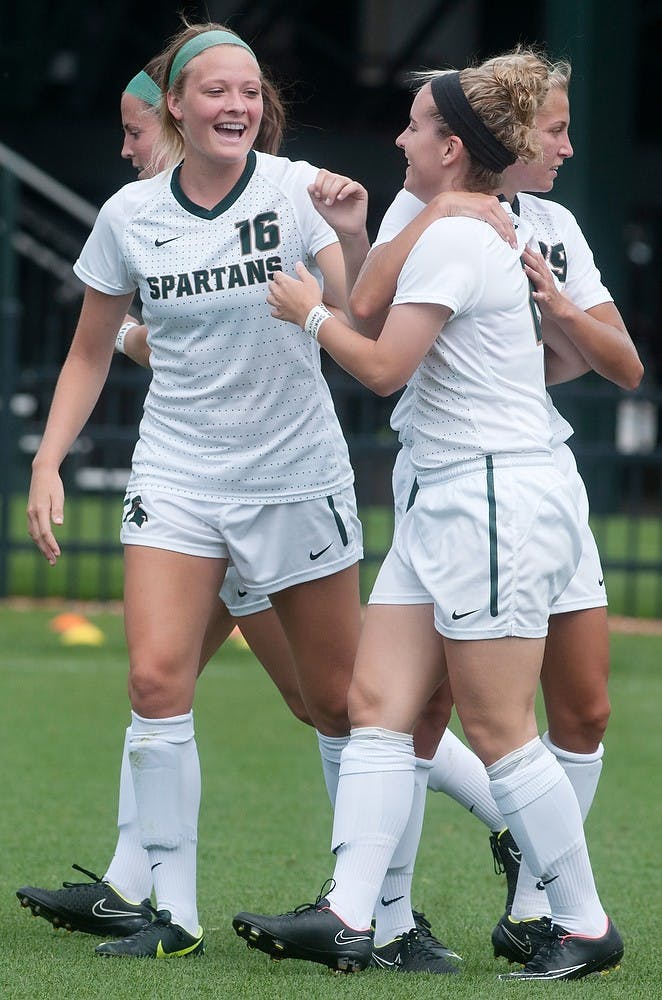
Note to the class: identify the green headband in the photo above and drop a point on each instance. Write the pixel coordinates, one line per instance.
(196, 45)
(143, 87)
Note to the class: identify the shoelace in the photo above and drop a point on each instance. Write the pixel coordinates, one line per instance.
(328, 886)
(424, 928)
(499, 867)
(90, 875)
(415, 943)
(553, 934)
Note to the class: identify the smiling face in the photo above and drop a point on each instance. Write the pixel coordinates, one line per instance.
(424, 148)
(552, 123)
(219, 109)
(140, 124)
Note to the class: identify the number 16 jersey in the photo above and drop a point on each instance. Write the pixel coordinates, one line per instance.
(238, 409)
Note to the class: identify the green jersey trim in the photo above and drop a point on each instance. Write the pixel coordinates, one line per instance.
(225, 203)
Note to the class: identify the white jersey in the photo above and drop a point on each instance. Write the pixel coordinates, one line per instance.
(480, 389)
(237, 409)
(567, 253)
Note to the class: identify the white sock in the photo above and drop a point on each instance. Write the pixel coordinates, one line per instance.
(537, 801)
(129, 872)
(331, 748)
(373, 804)
(457, 771)
(393, 915)
(166, 779)
(583, 770)
(528, 901)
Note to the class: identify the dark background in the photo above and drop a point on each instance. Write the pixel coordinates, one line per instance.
(343, 68)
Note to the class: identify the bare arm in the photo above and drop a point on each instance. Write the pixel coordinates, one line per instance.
(563, 362)
(377, 281)
(78, 388)
(343, 203)
(598, 334)
(383, 365)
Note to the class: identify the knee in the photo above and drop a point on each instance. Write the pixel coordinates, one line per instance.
(296, 705)
(155, 691)
(580, 729)
(431, 725)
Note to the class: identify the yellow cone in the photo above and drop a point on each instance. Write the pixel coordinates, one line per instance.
(86, 634)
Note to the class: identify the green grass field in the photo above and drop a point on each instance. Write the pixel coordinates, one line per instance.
(265, 830)
(90, 572)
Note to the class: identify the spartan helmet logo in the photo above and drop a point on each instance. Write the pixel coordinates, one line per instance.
(557, 262)
(135, 513)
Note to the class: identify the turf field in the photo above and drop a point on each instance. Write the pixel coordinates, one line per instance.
(265, 827)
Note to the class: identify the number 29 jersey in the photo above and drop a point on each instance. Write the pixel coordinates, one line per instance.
(238, 409)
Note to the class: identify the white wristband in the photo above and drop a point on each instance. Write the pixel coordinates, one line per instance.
(121, 337)
(315, 318)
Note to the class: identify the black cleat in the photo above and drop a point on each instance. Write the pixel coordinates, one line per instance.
(412, 953)
(520, 940)
(507, 859)
(160, 939)
(91, 907)
(572, 956)
(312, 932)
(424, 929)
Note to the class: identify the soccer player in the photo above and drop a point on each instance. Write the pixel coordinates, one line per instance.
(470, 570)
(240, 454)
(112, 904)
(570, 293)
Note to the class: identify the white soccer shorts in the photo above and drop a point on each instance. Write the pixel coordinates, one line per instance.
(492, 547)
(587, 587)
(271, 546)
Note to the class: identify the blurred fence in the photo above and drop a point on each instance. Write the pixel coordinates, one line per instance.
(42, 228)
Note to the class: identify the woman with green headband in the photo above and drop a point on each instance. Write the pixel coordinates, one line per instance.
(141, 123)
(128, 879)
(240, 455)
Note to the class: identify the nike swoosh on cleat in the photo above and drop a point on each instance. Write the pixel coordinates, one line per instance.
(160, 243)
(389, 902)
(557, 973)
(99, 910)
(526, 948)
(515, 855)
(464, 614)
(383, 962)
(161, 953)
(316, 555)
(341, 939)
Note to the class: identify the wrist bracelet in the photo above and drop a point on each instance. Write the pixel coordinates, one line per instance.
(315, 318)
(121, 336)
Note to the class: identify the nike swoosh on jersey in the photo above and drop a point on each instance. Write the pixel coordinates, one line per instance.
(241, 593)
(316, 555)
(99, 910)
(160, 243)
(340, 938)
(463, 614)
